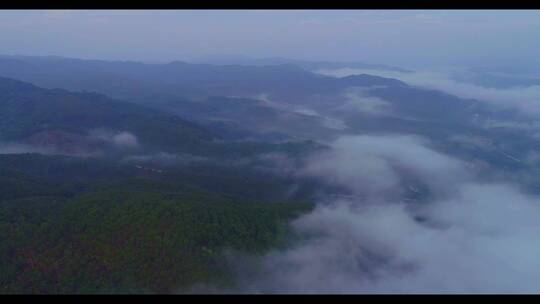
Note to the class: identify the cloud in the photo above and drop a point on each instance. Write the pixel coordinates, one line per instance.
(476, 237)
(24, 148)
(307, 112)
(125, 139)
(326, 121)
(378, 164)
(526, 100)
(62, 143)
(121, 139)
(17, 148)
(357, 99)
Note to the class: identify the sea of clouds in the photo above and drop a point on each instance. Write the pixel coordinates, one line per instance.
(474, 236)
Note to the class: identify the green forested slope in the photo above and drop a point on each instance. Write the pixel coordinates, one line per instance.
(71, 225)
(142, 242)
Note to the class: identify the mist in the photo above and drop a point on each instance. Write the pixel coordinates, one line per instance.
(251, 160)
(19, 148)
(97, 143)
(523, 99)
(472, 237)
(357, 99)
(408, 38)
(122, 139)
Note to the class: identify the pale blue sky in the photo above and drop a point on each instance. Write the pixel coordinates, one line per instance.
(408, 38)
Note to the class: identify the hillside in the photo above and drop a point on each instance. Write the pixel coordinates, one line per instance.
(118, 242)
(93, 225)
(132, 80)
(27, 110)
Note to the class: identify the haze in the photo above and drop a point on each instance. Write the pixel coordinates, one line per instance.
(408, 38)
(313, 152)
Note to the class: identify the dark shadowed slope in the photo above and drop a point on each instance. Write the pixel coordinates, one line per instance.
(29, 113)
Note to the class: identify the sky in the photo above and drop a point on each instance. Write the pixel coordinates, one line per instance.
(406, 38)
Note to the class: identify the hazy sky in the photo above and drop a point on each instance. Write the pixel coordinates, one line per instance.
(408, 38)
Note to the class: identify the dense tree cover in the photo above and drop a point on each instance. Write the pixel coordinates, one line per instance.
(26, 109)
(38, 175)
(131, 241)
(75, 225)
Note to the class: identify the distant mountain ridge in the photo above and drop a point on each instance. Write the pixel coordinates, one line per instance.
(131, 80)
(83, 123)
(311, 65)
(34, 114)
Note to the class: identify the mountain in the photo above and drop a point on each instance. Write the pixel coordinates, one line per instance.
(131, 80)
(96, 225)
(212, 95)
(34, 115)
(190, 168)
(248, 118)
(499, 77)
(132, 242)
(261, 103)
(305, 64)
(55, 121)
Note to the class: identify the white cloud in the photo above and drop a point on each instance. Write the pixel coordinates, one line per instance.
(17, 148)
(121, 139)
(524, 99)
(125, 139)
(374, 163)
(357, 99)
(480, 238)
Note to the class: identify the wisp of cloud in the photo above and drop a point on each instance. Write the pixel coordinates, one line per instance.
(473, 237)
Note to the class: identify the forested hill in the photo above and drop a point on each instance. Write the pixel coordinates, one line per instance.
(91, 225)
(136, 242)
(26, 110)
(129, 80)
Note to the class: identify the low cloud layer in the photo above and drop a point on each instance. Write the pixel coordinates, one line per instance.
(333, 123)
(63, 143)
(523, 99)
(23, 148)
(357, 99)
(472, 237)
(121, 139)
(17, 148)
(377, 165)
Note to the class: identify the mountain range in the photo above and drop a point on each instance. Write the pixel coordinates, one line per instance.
(132, 177)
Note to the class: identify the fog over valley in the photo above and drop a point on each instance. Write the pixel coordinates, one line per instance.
(237, 152)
